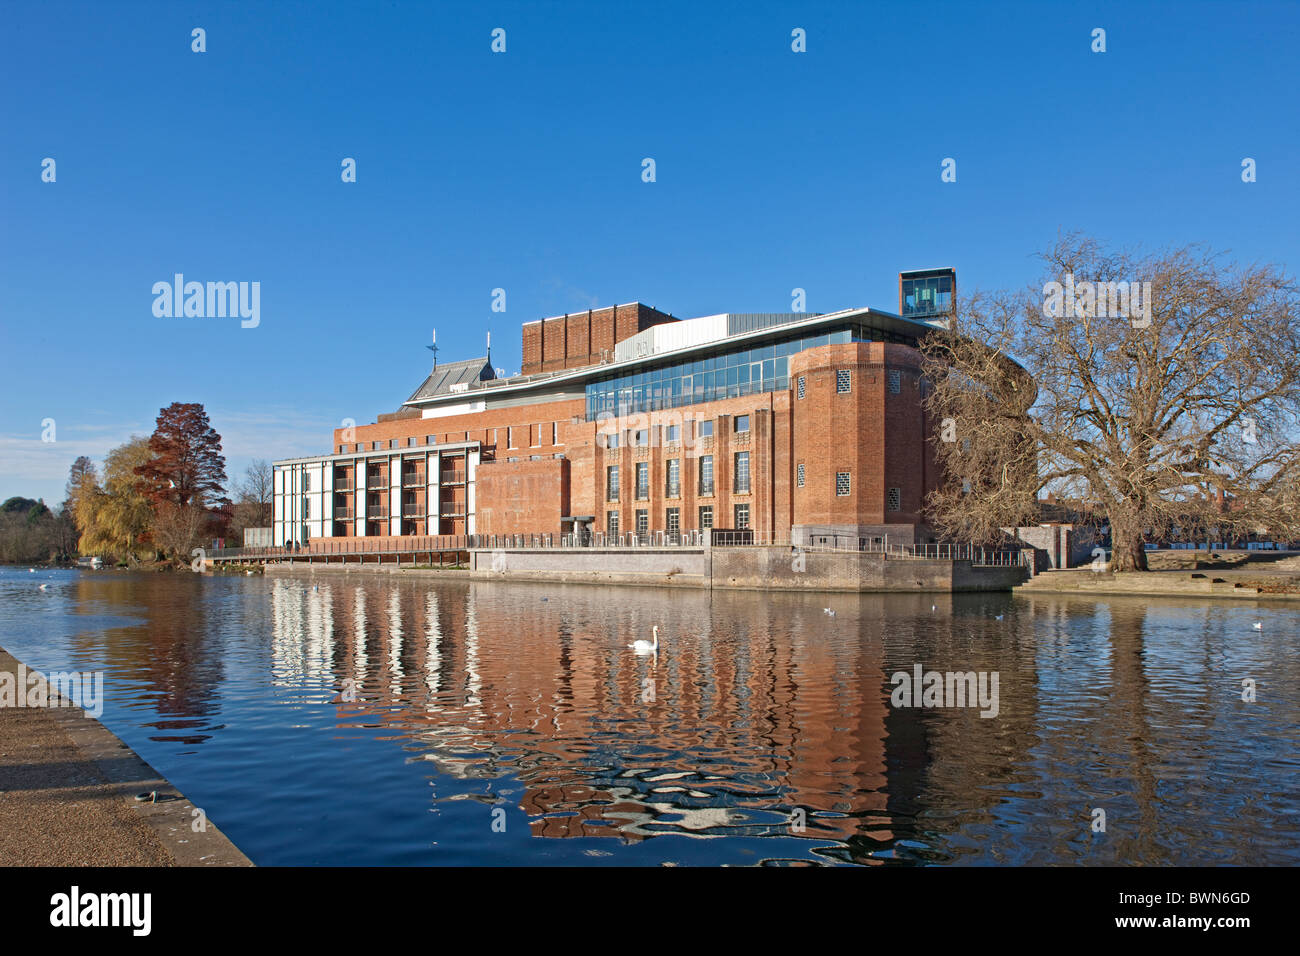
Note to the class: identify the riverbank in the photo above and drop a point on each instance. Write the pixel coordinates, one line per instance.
(1233, 584)
(753, 568)
(67, 797)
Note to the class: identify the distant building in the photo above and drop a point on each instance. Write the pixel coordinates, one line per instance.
(628, 420)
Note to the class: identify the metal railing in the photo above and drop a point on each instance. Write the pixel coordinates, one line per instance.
(451, 477)
(343, 514)
(377, 511)
(340, 486)
(413, 511)
(412, 479)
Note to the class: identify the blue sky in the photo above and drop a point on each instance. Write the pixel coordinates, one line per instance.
(522, 171)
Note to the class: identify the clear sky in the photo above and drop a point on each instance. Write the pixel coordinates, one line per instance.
(522, 170)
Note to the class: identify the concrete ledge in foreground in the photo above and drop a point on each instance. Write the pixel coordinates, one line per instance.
(67, 797)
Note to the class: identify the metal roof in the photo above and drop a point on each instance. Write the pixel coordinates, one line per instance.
(441, 380)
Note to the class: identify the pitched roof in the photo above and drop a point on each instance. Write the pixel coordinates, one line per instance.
(453, 373)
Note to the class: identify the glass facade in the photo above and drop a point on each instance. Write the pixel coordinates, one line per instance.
(756, 368)
(927, 296)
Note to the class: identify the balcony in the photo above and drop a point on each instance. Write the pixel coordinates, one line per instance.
(413, 479)
(343, 484)
(452, 477)
(377, 511)
(343, 514)
(413, 510)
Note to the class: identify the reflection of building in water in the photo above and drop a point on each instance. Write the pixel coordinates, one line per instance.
(752, 709)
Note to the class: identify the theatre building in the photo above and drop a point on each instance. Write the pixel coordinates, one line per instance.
(627, 421)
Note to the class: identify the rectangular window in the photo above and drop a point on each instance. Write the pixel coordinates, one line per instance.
(742, 517)
(306, 509)
(704, 429)
(843, 383)
(895, 381)
(706, 474)
(392, 443)
(642, 480)
(611, 483)
(674, 433)
(537, 435)
(799, 475)
(895, 499)
(433, 439)
(642, 438)
(842, 483)
(510, 437)
(374, 446)
(306, 481)
(555, 433)
(611, 524)
(674, 475)
(742, 472)
(801, 386)
(742, 423)
(341, 447)
(674, 521)
(410, 442)
(642, 521)
(706, 516)
(611, 440)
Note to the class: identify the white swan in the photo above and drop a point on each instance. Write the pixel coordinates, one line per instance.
(645, 647)
(1259, 625)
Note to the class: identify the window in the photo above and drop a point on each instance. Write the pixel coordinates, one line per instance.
(642, 480)
(642, 438)
(801, 386)
(341, 447)
(706, 474)
(843, 383)
(642, 521)
(674, 521)
(433, 439)
(895, 499)
(742, 423)
(895, 381)
(611, 524)
(674, 475)
(510, 437)
(410, 442)
(706, 516)
(799, 475)
(611, 483)
(704, 429)
(306, 508)
(537, 435)
(842, 484)
(374, 446)
(674, 433)
(742, 472)
(742, 517)
(611, 440)
(555, 433)
(306, 481)
(392, 443)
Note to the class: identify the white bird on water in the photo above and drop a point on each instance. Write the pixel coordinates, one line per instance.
(645, 647)
(45, 587)
(1258, 625)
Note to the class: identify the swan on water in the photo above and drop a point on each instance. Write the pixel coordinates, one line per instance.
(645, 647)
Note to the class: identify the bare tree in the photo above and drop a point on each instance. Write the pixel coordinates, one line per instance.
(257, 488)
(1161, 392)
(177, 528)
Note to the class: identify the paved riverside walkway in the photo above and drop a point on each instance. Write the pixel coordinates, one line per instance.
(1244, 583)
(67, 798)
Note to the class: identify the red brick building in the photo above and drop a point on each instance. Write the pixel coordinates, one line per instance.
(626, 420)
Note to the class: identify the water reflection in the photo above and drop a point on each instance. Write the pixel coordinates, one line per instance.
(762, 732)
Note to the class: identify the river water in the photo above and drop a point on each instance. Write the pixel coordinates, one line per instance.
(376, 720)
